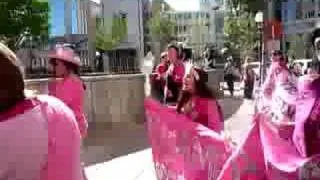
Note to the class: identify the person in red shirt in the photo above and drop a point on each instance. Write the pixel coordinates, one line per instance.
(158, 77)
(174, 75)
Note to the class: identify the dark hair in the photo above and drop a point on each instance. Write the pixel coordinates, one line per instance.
(201, 89)
(277, 52)
(12, 86)
(315, 86)
(315, 64)
(72, 67)
(314, 35)
(172, 46)
(76, 70)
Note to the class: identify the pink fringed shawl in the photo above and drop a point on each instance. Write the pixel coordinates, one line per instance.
(268, 153)
(182, 148)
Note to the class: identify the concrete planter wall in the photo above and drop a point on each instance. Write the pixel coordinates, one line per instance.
(109, 98)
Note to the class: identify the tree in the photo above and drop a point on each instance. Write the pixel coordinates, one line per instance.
(162, 28)
(16, 16)
(240, 29)
(236, 7)
(107, 39)
(241, 34)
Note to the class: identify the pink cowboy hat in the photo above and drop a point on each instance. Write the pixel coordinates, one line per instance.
(65, 54)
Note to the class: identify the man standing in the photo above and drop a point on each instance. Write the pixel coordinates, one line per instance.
(175, 74)
(229, 72)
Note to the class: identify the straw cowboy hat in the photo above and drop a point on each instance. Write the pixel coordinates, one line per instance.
(65, 54)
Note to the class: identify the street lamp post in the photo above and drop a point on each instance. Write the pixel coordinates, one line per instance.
(259, 20)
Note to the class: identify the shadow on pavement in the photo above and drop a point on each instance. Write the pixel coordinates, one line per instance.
(107, 141)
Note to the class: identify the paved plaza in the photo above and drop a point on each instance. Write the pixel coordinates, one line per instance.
(121, 151)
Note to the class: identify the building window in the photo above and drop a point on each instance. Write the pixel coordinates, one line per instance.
(207, 15)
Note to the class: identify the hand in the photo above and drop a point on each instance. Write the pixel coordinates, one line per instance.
(187, 108)
(84, 130)
(170, 69)
(169, 93)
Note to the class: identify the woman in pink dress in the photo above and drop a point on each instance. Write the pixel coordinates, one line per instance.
(187, 142)
(198, 102)
(279, 90)
(40, 139)
(68, 86)
(267, 151)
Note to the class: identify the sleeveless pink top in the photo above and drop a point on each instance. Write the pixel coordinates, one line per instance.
(71, 91)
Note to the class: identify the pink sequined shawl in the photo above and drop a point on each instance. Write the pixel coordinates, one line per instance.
(182, 148)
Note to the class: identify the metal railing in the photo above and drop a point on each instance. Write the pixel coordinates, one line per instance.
(37, 65)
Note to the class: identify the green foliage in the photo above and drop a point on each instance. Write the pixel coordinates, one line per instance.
(236, 7)
(241, 34)
(240, 29)
(18, 15)
(162, 28)
(107, 39)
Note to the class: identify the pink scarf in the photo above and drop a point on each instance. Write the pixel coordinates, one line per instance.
(181, 147)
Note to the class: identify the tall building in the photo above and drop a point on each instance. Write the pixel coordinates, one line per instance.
(132, 11)
(298, 19)
(200, 28)
(82, 13)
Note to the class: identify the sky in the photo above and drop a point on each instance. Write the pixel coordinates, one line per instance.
(57, 13)
(182, 5)
(57, 17)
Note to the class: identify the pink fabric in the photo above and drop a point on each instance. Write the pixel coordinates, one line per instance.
(47, 145)
(24, 142)
(181, 147)
(304, 106)
(278, 79)
(247, 161)
(265, 154)
(20, 108)
(206, 112)
(178, 72)
(63, 160)
(70, 90)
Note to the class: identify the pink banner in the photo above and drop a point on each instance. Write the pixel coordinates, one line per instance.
(267, 152)
(182, 148)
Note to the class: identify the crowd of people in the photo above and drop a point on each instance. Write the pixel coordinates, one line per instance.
(185, 122)
(282, 142)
